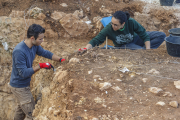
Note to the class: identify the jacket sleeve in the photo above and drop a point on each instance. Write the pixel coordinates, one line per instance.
(20, 64)
(100, 38)
(141, 31)
(45, 53)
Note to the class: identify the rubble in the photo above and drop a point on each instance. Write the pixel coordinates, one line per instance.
(160, 103)
(104, 86)
(174, 104)
(155, 90)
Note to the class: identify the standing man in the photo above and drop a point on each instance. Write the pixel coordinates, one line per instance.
(22, 70)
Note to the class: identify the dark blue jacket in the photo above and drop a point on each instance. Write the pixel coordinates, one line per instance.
(23, 58)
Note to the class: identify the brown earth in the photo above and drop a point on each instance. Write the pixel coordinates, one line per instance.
(72, 93)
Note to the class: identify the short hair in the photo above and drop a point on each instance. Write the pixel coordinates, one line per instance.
(121, 16)
(35, 30)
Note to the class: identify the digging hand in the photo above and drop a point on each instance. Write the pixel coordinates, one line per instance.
(81, 51)
(46, 65)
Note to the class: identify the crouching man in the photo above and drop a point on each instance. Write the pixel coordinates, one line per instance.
(22, 70)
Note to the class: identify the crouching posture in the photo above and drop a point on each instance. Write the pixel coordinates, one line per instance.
(125, 32)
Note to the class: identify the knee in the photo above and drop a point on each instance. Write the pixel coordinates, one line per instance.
(162, 35)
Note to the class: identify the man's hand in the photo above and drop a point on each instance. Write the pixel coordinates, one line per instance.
(81, 51)
(61, 59)
(46, 65)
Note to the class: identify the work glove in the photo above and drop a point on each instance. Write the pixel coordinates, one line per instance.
(46, 65)
(61, 59)
(82, 49)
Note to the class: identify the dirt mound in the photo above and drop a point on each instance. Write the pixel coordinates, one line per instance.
(98, 87)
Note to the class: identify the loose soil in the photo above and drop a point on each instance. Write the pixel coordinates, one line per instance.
(132, 102)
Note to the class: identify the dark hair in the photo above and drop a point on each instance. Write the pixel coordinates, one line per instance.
(121, 16)
(35, 30)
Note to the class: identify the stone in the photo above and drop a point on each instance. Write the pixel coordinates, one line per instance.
(78, 14)
(105, 11)
(98, 100)
(57, 15)
(50, 34)
(96, 76)
(160, 103)
(16, 14)
(154, 71)
(60, 75)
(155, 90)
(74, 26)
(74, 60)
(64, 4)
(168, 94)
(95, 119)
(116, 88)
(56, 112)
(174, 104)
(104, 86)
(96, 19)
(41, 16)
(35, 12)
(90, 72)
(144, 80)
(177, 84)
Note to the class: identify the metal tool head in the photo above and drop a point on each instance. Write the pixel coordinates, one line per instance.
(53, 68)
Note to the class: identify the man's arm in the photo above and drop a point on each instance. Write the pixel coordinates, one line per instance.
(55, 57)
(36, 68)
(141, 31)
(147, 44)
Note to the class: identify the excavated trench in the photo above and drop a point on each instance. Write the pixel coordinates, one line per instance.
(91, 86)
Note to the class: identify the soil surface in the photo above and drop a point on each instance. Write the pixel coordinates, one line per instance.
(79, 94)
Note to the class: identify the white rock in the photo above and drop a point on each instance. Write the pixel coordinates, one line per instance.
(100, 79)
(89, 72)
(73, 60)
(144, 80)
(167, 94)
(57, 15)
(119, 80)
(104, 86)
(95, 119)
(5, 45)
(56, 112)
(177, 84)
(160, 103)
(124, 70)
(116, 88)
(64, 4)
(96, 76)
(98, 100)
(154, 71)
(35, 11)
(155, 90)
(173, 104)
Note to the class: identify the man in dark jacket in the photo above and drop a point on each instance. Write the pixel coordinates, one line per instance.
(22, 70)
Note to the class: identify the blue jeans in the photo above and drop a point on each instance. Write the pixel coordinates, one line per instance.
(156, 39)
